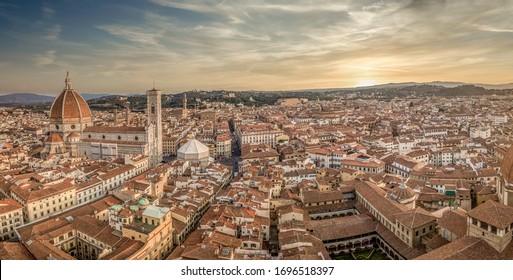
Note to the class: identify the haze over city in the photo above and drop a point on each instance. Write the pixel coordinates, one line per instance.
(121, 47)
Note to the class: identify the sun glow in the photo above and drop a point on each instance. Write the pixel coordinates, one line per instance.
(365, 83)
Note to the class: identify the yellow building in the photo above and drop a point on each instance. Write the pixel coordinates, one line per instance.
(42, 200)
(224, 145)
(154, 229)
(11, 216)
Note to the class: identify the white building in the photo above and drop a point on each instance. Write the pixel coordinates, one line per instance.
(480, 132)
(261, 133)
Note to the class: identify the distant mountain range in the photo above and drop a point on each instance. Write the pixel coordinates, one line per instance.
(32, 98)
(409, 84)
(439, 83)
(25, 98)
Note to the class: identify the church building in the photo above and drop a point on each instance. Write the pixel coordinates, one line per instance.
(72, 133)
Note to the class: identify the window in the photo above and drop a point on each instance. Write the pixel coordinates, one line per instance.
(72, 126)
(103, 136)
(484, 225)
(56, 126)
(136, 138)
(119, 137)
(89, 136)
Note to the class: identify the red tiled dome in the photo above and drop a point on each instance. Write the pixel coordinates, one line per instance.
(54, 138)
(69, 105)
(507, 166)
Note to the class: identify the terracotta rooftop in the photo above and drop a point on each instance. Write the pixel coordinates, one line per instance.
(9, 205)
(415, 218)
(54, 138)
(342, 227)
(14, 251)
(376, 197)
(454, 222)
(493, 213)
(34, 192)
(465, 248)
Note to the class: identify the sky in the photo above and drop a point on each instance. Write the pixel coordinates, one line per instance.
(121, 46)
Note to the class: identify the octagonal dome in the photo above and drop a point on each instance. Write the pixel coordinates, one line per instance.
(69, 106)
(193, 150)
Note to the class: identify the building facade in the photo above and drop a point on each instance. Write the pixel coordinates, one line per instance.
(72, 133)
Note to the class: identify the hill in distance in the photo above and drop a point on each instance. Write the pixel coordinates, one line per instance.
(25, 98)
(33, 99)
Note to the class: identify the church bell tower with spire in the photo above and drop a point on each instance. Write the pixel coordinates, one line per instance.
(154, 108)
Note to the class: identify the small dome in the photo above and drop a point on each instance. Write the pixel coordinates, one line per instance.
(402, 194)
(54, 138)
(143, 201)
(69, 106)
(74, 135)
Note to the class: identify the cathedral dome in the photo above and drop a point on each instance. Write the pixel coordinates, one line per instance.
(507, 166)
(69, 106)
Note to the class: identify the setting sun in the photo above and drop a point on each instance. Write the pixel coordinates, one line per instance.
(365, 83)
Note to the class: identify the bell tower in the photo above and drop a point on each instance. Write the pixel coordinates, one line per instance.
(184, 105)
(154, 109)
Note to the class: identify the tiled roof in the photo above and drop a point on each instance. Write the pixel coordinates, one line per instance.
(466, 248)
(415, 218)
(454, 222)
(14, 251)
(342, 227)
(493, 213)
(8, 205)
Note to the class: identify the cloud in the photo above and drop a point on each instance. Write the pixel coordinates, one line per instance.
(266, 44)
(133, 33)
(494, 29)
(44, 59)
(48, 12)
(53, 32)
